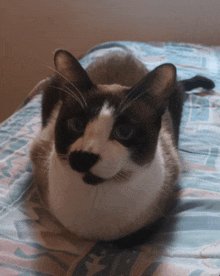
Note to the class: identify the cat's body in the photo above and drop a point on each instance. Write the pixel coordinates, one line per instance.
(106, 159)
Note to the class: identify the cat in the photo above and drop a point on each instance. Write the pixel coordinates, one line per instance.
(106, 159)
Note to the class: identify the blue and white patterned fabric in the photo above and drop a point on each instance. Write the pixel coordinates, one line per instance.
(188, 244)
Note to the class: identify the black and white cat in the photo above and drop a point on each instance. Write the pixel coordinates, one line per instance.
(105, 160)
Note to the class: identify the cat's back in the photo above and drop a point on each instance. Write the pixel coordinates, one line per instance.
(120, 67)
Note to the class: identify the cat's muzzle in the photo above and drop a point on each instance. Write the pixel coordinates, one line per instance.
(82, 162)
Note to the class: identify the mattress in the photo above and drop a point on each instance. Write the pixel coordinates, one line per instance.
(187, 243)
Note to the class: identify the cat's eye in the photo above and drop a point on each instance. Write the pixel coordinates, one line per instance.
(76, 124)
(123, 131)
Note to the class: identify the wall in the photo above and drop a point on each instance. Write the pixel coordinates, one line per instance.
(32, 30)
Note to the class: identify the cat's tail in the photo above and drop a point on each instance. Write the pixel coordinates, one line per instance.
(197, 81)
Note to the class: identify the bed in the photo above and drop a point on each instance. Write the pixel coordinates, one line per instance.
(188, 241)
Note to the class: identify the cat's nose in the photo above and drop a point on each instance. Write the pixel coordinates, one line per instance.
(82, 161)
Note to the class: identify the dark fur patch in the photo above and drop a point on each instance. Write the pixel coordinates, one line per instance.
(90, 178)
(82, 161)
(50, 98)
(197, 81)
(64, 136)
(175, 107)
(146, 126)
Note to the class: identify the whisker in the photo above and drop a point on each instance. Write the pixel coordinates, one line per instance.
(121, 108)
(85, 105)
(123, 102)
(131, 101)
(71, 93)
(122, 176)
(126, 106)
(62, 156)
(70, 84)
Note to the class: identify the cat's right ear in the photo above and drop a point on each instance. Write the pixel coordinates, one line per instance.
(69, 70)
(69, 78)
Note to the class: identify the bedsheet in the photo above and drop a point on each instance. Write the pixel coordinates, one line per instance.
(188, 243)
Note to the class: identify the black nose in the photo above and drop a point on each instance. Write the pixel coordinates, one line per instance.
(82, 161)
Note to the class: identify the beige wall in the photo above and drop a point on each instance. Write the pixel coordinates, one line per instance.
(32, 30)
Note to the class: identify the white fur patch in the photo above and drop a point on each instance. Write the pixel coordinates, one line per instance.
(106, 110)
(108, 210)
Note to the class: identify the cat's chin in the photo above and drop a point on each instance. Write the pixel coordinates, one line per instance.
(92, 179)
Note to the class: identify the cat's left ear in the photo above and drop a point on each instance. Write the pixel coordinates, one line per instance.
(156, 87)
(71, 70)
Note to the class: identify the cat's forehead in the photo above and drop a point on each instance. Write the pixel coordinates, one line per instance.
(100, 96)
(112, 89)
(117, 97)
(112, 96)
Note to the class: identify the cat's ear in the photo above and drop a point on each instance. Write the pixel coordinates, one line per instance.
(156, 87)
(70, 70)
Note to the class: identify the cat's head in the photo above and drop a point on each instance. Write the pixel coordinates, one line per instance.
(104, 131)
